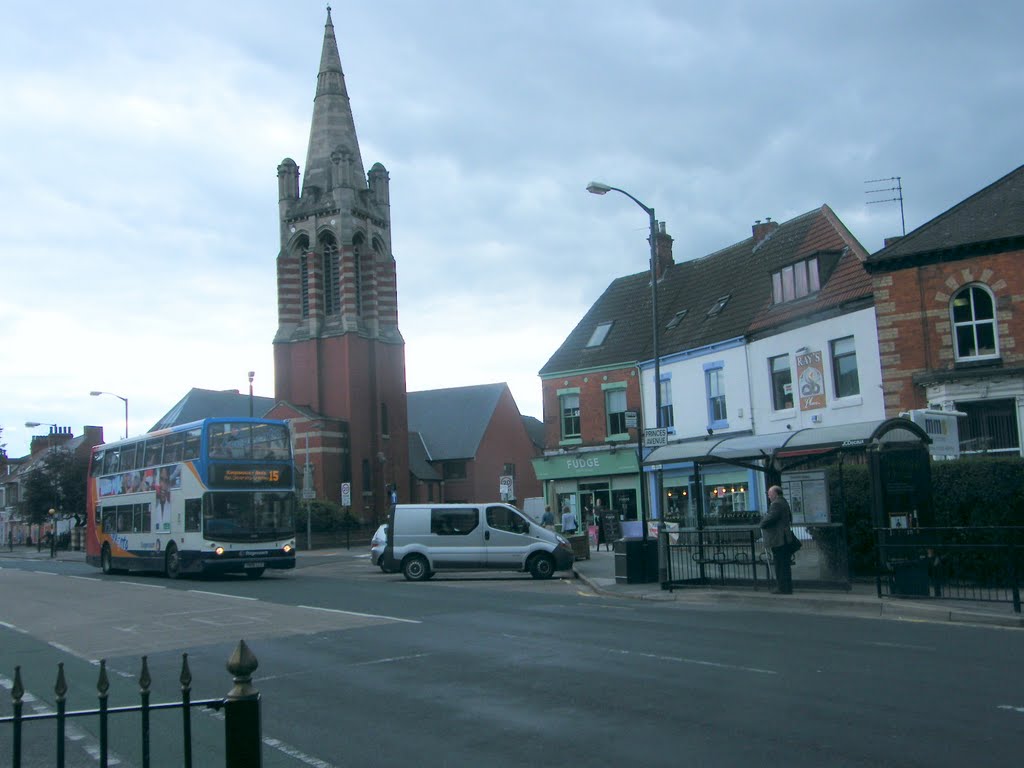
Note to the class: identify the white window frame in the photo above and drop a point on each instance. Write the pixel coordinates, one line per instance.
(973, 324)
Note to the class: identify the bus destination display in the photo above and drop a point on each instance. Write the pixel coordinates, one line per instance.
(232, 475)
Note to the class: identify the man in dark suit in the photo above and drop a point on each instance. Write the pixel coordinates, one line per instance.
(774, 528)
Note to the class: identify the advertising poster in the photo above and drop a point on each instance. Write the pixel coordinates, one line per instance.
(810, 381)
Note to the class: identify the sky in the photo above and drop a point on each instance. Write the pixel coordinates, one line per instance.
(140, 143)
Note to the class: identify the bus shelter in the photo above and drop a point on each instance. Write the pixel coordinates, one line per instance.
(705, 549)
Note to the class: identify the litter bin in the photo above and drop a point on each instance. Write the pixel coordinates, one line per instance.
(636, 561)
(910, 578)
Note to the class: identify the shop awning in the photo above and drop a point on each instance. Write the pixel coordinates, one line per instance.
(746, 449)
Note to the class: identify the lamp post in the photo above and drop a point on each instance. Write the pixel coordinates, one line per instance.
(252, 375)
(597, 188)
(96, 393)
(49, 447)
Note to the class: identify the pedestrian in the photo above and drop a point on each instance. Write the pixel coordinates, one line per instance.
(547, 519)
(568, 521)
(10, 540)
(775, 526)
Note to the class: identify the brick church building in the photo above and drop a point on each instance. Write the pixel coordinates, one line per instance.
(339, 356)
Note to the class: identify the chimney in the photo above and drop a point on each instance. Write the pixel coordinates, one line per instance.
(890, 240)
(663, 249)
(762, 231)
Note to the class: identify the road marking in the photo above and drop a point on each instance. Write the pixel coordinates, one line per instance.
(902, 645)
(699, 662)
(139, 584)
(363, 615)
(63, 648)
(280, 746)
(222, 594)
(45, 573)
(84, 578)
(393, 658)
(1012, 708)
(11, 626)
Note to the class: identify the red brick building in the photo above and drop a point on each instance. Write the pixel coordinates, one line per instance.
(949, 302)
(339, 357)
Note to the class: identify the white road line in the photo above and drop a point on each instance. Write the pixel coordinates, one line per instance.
(393, 658)
(699, 662)
(364, 615)
(140, 584)
(63, 648)
(85, 578)
(901, 645)
(302, 757)
(45, 573)
(11, 626)
(222, 594)
(1012, 708)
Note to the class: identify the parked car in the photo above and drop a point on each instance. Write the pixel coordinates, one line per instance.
(433, 537)
(377, 543)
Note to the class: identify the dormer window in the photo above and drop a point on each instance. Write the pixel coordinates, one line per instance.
(676, 319)
(795, 281)
(718, 306)
(599, 335)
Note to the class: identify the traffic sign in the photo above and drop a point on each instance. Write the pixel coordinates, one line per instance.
(308, 494)
(505, 486)
(346, 494)
(631, 420)
(656, 437)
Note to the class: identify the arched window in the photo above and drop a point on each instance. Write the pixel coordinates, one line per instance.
(974, 323)
(332, 283)
(304, 284)
(357, 276)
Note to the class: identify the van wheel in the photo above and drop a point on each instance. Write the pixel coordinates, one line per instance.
(106, 561)
(415, 568)
(542, 566)
(172, 562)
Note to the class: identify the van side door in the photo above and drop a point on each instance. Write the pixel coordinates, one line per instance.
(456, 538)
(508, 538)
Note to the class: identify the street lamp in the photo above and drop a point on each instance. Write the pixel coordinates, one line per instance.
(252, 374)
(597, 188)
(97, 393)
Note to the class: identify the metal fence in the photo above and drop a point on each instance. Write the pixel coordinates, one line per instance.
(982, 564)
(241, 707)
(735, 556)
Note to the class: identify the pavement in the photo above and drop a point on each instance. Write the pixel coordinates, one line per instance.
(598, 573)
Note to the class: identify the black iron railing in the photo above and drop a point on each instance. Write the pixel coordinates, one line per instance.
(981, 564)
(242, 746)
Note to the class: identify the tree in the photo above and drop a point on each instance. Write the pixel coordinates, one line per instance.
(57, 482)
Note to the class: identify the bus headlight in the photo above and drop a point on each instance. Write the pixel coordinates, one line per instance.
(218, 551)
(288, 548)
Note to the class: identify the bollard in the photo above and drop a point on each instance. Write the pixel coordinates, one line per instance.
(243, 739)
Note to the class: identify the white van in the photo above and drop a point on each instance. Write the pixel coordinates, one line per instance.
(424, 538)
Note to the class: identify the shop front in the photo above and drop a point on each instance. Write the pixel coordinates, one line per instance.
(593, 486)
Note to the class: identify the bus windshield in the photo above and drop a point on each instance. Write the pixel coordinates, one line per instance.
(248, 516)
(247, 440)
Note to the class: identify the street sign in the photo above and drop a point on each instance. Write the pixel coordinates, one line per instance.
(308, 494)
(346, 494)
(631, 420)
(505, 486)
(656, 437)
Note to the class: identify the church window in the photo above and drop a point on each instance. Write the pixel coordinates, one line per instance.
(304, 284)
(357, 277)
(332, 283)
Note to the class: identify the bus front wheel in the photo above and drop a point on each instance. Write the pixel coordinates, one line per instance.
(172, 562)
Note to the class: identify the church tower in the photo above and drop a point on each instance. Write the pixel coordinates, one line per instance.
(339, 357)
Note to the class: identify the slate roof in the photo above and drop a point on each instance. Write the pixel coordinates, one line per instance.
(989, 221)
(452, 421)
(419, 459)
(741, 271)
(204, 403)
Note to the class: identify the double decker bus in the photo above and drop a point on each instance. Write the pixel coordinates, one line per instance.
(213, 496)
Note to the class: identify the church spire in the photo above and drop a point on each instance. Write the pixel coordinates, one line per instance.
(332, 159)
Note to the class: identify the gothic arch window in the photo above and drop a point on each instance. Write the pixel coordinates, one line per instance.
(975, 334)
(304, 278)
(332, 283)
(357, 267)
